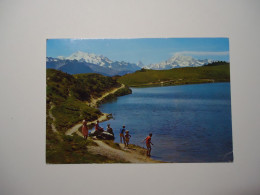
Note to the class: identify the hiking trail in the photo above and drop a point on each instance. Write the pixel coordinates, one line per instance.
(93, 103)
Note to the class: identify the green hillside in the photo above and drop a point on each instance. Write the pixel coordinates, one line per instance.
(215, 72)
(68, 94)
(66, 101)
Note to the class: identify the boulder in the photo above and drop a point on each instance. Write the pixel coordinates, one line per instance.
(102, 135)
(93, 133)
(107, 136)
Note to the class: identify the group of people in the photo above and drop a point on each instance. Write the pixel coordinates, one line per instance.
(100, 129)
(97, 128)
(124, 135)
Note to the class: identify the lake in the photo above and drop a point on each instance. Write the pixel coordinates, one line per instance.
(190, 123)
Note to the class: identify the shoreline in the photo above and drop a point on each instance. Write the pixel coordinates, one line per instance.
(179, 85)
(94, 103)
(132, 154)
(105, 116)
(118, 153)
(147, 85)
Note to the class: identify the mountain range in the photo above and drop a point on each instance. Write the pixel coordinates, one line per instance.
(82, 62)
(178, 61)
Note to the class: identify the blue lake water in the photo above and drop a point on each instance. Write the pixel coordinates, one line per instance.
(190, 123)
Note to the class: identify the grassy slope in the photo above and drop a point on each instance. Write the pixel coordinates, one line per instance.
(62, 149)
(68, 94)
(71, 149)
(216, 72)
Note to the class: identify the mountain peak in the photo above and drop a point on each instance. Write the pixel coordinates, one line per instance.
(140, 63)
(98, 63)
(90, 58)
(178, 60)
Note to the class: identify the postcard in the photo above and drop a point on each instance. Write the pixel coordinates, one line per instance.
(146, 100)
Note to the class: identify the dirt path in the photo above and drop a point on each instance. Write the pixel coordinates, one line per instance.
(75, 128)
(93, 103)
(124, 155)
(53, 118)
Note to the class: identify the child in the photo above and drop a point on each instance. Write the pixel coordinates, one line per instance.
(148, 144)
(127, 137)
(122, 134)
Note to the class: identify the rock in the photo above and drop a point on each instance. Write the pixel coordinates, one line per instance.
(107, 136)
(102, 135)
(93, 133)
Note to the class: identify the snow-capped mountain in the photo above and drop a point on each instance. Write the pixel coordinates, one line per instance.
(54, 63)
(178, 61)
(81, 61)
(140, 64)
(101, 61)
(89, 58)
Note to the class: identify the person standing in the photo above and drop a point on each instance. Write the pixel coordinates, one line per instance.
(122, 134)
(127, 137)
(148, 141)
(85, 129)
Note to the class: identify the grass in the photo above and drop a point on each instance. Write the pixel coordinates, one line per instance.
(218, 72)
(96, 84)
(139, 149)
(112, 144)
(71, 112)
(72, 150)
(69, 94)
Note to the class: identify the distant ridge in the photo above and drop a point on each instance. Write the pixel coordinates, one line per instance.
(178, 61)
(81, 62)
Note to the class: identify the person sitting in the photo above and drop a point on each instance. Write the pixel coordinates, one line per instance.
(109, 129)
(98, 128)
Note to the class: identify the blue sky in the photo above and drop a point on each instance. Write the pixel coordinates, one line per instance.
(147, 50)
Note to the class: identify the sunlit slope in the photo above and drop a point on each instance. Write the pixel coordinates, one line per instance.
(215, 72)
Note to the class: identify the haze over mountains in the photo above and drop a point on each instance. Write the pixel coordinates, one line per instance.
(81, 62)
(178, 61)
